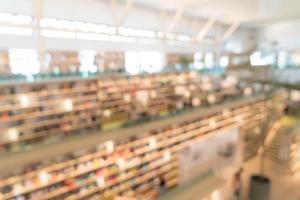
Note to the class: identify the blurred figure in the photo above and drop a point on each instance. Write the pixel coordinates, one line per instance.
(237, 184)
(162, 185)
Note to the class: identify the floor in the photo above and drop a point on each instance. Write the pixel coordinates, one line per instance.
(285, 185)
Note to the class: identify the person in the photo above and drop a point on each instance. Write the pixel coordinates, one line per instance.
(162, 185)
(237, 184)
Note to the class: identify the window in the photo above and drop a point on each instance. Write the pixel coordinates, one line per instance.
(259, 59)
(87, 60)
(209, 60)
(151, 61)
(144, 61)
(198, 61)
(132, 62)
(224, 61)
(24, 61)
(282, 59)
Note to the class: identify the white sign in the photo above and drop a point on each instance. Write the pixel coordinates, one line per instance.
(215, 151)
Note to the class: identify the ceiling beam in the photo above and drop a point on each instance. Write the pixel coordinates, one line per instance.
(127, 7)
(175, 20)
(206, 28)
(114, 11)
(38, 14)
(230, 31)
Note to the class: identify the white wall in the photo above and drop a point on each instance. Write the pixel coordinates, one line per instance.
(286, 33)
(16, 6)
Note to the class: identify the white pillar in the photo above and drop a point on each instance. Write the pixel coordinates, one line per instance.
(38, 13)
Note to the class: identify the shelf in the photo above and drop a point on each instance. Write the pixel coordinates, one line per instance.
(32, 113)
(132, 163)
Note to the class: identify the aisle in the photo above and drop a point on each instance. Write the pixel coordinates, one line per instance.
(284, 184)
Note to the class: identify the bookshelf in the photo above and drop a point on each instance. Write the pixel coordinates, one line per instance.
(4, 63)
(63, 62)
(35, 113)
(111, 61)
(130, 167)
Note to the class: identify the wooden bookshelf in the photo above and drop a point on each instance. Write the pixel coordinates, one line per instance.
(33, 113)
(64, 62)
(131, 167)
(4, 63)
(111, 61)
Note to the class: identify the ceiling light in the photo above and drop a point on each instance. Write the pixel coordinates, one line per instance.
(58, 34)
(15, 31)
(15, 19)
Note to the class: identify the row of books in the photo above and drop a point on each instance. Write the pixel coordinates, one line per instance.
(134, 167)
(35, 112)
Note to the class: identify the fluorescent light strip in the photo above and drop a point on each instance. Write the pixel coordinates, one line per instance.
(15, 19)
(66, 28)
(15, 31)
(105, 29)
(76, 25)
(92, 36)
(84, 36)
(58, 34)
(183, 38)
(133, 32)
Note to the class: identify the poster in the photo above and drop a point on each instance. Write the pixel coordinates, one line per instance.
(215, 151)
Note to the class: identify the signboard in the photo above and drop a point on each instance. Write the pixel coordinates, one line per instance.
(215, 151)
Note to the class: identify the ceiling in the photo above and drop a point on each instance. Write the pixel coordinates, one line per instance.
(248, 12)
